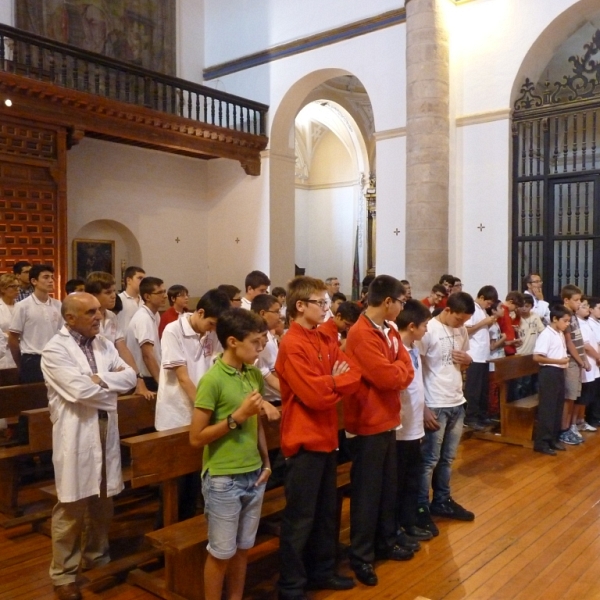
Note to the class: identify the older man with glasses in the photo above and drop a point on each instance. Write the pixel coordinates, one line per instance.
(532, 285)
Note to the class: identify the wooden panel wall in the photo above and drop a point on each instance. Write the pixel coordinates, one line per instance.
(33, 196)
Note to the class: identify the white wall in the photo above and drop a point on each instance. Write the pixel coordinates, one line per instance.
(7, 12)
(253, 25)
(190, 40)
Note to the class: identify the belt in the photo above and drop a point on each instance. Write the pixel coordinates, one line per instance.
(102, 414)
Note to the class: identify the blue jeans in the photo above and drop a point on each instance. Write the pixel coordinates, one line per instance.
(438, 451)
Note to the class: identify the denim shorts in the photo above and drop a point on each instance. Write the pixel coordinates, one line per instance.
(232, 505)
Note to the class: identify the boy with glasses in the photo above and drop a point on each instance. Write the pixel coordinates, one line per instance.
(372, 414)
(21, 269)
(314, 376)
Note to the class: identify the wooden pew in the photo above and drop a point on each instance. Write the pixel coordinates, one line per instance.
(517, 418)
(14, 399)
(136, 414)
(184, 543)
(9, 377)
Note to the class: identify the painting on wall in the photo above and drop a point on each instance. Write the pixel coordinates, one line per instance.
(93, 255)
(141, 32)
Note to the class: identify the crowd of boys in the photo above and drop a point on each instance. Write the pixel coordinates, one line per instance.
(395, 365)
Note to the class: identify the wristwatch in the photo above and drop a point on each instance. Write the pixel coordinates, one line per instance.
(139, 376)
(232, 423)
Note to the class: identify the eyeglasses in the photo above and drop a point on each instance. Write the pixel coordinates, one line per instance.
(536, 281)
(322, 304)
(159, 293)
(274, 312)
(402, 302)
(236, 299)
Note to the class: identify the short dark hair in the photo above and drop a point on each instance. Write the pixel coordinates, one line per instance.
(516, 297)
(73, 284)
(338, 296)
(97, 281)
(230, 290)
(214, 303)
(19, 265)
(278, 291)
(461, 303)
(558, 311)
(405, 282)
(528, 299)
(175, 291)
(349, 311)
(37, 270)
(366, 282)
(566, 293)
(148, 284)
(489, 292)
(238, 323)
(131, 272)
(255, 279)
(593, 301)
(438, 288)
(414, 312)
(263, 302)
(382, 287)
(447, 277)
(527, 278)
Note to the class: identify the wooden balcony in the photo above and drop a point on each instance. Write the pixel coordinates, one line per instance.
(92, 95)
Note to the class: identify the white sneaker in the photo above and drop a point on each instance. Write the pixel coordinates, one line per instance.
(576, 433)
(585, 426)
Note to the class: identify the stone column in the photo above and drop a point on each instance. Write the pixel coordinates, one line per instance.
(428, 143)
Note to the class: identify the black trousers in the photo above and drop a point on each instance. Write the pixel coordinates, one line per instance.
(373, 500)
(308, 543)
(477, 387)
(30, 370)
(409, 466)
(551, 382)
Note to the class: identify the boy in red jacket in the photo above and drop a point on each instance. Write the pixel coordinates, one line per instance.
(372, 414)
(314, 374)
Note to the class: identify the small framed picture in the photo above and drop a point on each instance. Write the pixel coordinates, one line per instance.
(93, 255)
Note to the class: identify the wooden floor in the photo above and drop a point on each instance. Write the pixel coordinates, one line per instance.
(536, 535)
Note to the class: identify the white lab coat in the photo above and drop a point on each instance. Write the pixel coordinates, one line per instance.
(74, 400)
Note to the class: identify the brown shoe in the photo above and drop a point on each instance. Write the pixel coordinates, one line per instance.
(67, 592)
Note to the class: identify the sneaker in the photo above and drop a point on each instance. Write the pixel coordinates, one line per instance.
(585, 426)
(424, 520)
(474, 424)
(575, 432)
(451, 510)
(567, 437)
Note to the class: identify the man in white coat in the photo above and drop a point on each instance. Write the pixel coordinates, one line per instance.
(83, 373)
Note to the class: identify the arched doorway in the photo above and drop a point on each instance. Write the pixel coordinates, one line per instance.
(556, 161)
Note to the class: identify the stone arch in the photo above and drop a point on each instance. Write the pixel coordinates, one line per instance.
(281, 156)
(127, 248)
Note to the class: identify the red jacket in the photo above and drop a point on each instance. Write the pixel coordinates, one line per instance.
(506, 327)
(309, 393)
(386, 369)
(329, 328)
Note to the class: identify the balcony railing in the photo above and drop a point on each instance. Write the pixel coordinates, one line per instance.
(36, 57)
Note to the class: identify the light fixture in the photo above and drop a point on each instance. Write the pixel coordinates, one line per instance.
(8, 102)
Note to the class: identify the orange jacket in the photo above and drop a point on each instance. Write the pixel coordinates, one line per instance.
(386, 369)
(309, 393)
(329, 328)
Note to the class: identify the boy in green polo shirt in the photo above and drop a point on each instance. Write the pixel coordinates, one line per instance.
(235, 465)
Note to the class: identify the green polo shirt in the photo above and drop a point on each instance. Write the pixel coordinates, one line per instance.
(222, 390)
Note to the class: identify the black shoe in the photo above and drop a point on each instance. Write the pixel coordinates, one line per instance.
(475, 425)
(335, 582)
(557, 446)
(451, 510)
(396, 552)
(365, 573)
(425, 522)
(416, 533)
(545, 449)
(406, 542)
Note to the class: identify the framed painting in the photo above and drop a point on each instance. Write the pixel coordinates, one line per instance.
(93, 255)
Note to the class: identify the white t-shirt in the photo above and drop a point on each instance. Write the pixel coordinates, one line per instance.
(36, 322)
(110, 327)
(551, 344)
(442, 378)
(529, 329)
(266, 363)
(540, 308)
(595, 326)
(142, 329)
(412, 403)
(495, 333)
(247, 304)
(589, 337)
(6, 313)
(130, 307)
(479, 342)
(181, 345)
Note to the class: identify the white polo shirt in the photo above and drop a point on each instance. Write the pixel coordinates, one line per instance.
(36, 323)
(479, 342)
(589, 337)
(551, 344)
(110, 328)
(130, 307)
(143, 329)
(412, 401)
(181, 345)
(6, 314)
(266, 363)
(247, 304)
